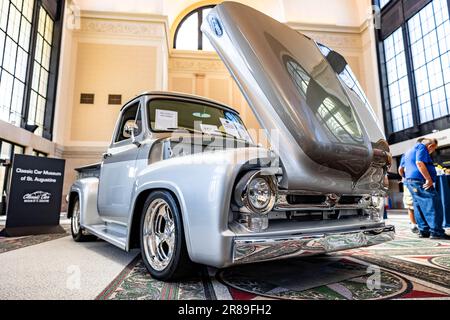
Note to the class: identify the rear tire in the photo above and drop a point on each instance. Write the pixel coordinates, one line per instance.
(78, 234)
(163, 244)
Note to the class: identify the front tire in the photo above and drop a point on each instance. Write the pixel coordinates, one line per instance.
(163, 245)
(78, 234)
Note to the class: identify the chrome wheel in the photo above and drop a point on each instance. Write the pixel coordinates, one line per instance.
(76, 218)
(158, 234)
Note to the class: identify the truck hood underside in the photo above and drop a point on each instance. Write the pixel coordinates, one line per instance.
(299, 95)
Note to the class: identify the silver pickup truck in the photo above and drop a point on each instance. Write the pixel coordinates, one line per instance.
(183, 180)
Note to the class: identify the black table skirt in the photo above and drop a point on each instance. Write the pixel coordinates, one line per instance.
(443, 187)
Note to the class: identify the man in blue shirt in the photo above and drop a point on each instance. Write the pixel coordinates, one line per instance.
(420, 175)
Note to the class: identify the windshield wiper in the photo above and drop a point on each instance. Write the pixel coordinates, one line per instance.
(186, 129)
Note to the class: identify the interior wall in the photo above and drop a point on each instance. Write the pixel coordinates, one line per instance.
(108, 53)
(113, 54)
(28, 140)
(333, 13)
(108, 69)
(128, 6)
(204, 74)
(370, 75)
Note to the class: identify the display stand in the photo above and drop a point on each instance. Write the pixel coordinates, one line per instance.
(34, 202)
(443, 188)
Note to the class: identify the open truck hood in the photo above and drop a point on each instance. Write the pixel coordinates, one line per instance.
(306, 98)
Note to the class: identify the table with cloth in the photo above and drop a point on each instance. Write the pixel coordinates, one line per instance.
(443, 188)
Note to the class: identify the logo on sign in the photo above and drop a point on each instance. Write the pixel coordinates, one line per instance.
(216, 26)
(37, 197)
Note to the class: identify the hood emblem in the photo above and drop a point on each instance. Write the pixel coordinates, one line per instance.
(216, 26)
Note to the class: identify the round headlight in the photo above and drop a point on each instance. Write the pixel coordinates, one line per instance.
(257, 192)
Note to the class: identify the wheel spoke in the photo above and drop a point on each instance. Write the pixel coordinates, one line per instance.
(169, 229)
(162, 253)
(159, 238)
(171, 242)
(149, 245)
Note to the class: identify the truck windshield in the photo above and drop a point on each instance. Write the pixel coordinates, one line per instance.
(172, 115)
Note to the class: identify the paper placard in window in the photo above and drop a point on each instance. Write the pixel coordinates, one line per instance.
(229, 127)
(209, 129)
(166, 119)
(242, 132)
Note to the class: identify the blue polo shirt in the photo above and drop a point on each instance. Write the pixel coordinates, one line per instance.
(417, 154)
(402, 162)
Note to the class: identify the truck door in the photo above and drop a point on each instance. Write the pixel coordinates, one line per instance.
(117, 173)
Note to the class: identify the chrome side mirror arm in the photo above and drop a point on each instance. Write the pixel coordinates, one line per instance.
(133, 139)
(131, 130)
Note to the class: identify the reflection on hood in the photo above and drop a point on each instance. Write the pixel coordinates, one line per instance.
(305, 92)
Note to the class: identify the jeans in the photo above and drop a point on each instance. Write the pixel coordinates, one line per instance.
(427, 208)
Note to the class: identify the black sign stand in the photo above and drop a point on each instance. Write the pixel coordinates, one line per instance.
(35, 194)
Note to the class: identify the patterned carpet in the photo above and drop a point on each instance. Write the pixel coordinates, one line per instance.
(407, 268)
(135, 283)
(10, 244)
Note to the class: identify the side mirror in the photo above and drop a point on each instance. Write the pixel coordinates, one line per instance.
(130, 131)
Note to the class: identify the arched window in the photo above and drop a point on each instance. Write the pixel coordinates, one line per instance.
(188, 35)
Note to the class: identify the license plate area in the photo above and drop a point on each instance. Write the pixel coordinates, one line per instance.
(313, 215)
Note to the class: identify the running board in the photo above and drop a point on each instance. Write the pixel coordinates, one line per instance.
(114, 234)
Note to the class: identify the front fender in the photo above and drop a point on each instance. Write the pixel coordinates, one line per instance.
(203, 190)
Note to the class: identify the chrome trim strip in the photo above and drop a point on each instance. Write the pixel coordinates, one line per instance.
(102, 234)
(283, 205)
(253, 249)
(318, 207)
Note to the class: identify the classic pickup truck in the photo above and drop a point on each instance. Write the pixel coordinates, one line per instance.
(184, 181)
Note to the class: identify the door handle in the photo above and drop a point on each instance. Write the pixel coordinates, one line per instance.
(107, 155)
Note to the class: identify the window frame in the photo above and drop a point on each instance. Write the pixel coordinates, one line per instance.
(55, 10)
(198, 10)
(224, 108)
(182, 100)
(7, 175)
(394, 15)
(120, 124)
(37, 153)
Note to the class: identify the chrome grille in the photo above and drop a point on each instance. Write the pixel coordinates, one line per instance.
(318, 202)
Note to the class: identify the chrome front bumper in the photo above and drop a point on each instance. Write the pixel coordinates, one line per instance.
(253, 249)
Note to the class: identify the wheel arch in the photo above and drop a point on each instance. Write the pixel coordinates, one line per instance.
(141, 198)
(86, 191)
(72, 196)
